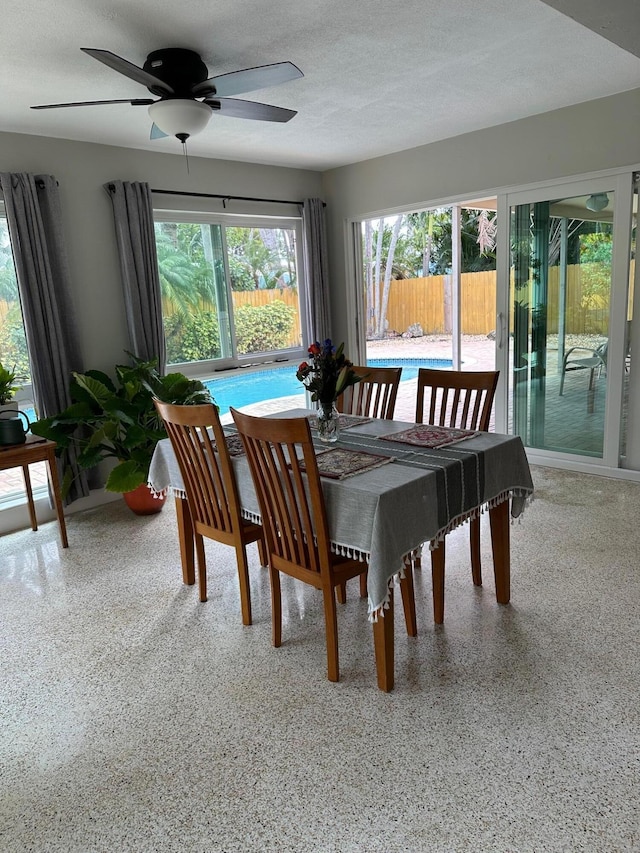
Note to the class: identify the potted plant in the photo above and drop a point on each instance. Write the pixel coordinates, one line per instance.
(117, 420)
(14, 424)
(7, 387)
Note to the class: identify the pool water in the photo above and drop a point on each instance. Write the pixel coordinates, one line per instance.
(239, 389)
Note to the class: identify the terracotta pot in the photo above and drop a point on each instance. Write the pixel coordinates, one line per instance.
(142, 502)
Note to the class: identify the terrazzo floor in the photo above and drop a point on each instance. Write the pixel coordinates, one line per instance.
(135, 718)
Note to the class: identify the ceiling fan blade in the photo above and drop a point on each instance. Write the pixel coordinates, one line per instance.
(249, 109)
(135, 102)
(248, 80)
(156, 133)
(123, 66)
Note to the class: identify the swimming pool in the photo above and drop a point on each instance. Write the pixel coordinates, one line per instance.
(242, 388)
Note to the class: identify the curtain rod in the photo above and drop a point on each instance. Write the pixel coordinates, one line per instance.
(226, 198)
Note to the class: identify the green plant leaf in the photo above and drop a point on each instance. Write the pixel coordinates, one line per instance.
(126, 477)
(94, 387)
(92, 456)
(103, 378)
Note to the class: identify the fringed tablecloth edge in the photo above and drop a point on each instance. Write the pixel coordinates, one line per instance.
(167, 491)
(526, 494)
(507, 494)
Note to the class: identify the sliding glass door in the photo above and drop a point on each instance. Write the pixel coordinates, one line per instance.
(568, 319)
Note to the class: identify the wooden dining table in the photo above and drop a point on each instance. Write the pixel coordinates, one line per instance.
(384, 514)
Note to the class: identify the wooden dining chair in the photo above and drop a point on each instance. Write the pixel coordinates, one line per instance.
(199, 444)
(374, 396)
(285, 474)
(464, 400)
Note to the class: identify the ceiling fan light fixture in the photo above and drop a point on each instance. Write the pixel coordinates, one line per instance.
(180, 117)
(597, 202)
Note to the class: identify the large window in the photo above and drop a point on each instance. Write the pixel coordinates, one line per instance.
(14, 356)
(231, 289)
(13, 345)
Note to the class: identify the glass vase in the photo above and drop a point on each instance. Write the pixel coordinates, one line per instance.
(328, 424)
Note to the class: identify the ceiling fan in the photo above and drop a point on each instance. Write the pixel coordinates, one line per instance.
(187, 96)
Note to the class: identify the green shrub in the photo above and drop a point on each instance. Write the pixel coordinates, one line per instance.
(240, 274)
(13, 344)
(264, 328)
(195, 337)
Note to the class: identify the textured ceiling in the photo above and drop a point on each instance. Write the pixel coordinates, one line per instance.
(379, 76)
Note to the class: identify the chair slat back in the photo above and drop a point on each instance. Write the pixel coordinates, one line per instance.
(374, 396)
(286, 479)
(456, 398)
(198, 442)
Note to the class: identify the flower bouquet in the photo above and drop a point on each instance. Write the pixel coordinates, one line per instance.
(326, 375)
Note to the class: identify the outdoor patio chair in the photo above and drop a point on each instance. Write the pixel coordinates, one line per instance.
(464, 400)
(584, 358)
(199, 443)
(287, 483)
(374, 396)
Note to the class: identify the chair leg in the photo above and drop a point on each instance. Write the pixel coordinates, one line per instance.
(474, 541)
(341, 592)
(262, 553)
(437, 579)
(383, 646)
(331, 626)
(276, 608)
(417, 558)
(243, 577)
(202, 566)
(409, 601)
(363, 585)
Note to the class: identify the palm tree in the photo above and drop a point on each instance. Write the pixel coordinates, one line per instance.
(185, 275)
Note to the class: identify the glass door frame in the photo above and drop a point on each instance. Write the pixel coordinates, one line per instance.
(621, 184)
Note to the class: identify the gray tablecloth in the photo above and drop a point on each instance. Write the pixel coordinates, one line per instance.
(384, 514)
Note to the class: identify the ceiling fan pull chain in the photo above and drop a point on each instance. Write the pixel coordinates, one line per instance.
(186, 153)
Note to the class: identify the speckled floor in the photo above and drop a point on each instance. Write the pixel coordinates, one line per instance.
(135, 718)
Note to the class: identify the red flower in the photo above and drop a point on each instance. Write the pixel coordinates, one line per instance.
(314, 349)
(302, 366)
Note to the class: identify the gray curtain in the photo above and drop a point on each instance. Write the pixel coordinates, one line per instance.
(135, 237)
(316, 268)
(32, 204)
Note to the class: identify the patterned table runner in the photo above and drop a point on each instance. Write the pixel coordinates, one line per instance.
(234, 444)
(345, 421)
(339, 462)
(429, 435)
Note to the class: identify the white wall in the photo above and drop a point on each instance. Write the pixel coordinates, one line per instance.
(593, 136)
(82, 169)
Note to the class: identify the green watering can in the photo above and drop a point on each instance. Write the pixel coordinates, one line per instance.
(11, 429)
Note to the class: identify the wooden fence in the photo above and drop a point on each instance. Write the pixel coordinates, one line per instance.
(257, 298)
(428, 301)
(264, 297)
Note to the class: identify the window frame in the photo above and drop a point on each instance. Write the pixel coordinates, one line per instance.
(25, 394)
(22, 399)
(199, 369)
